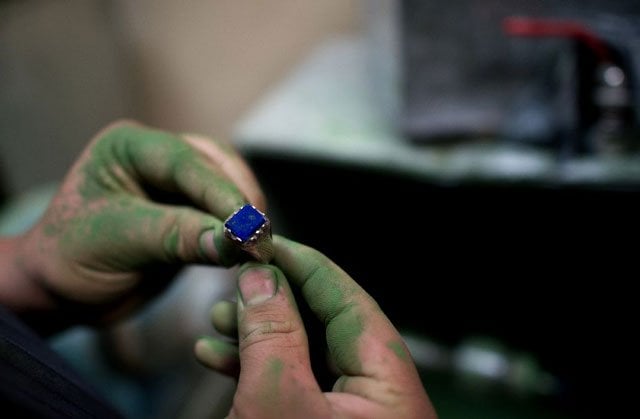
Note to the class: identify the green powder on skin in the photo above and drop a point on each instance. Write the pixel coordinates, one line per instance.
(399, 349)
(126, 147)
(218, 350)
(171, 240)
(343, 334)
(331, 299)
(98, 229)
(129, 153)
(272, 381)
(344, 324)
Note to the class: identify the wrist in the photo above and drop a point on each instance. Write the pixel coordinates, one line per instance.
(21, 289)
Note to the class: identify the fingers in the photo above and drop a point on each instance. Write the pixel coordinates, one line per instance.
(138, 232)
(218, 355)
(169, 163)
(273, 347)
(221, 354)
(361, 339)
(232, 164)
(379, 378)
(139, 161)
(224, 318)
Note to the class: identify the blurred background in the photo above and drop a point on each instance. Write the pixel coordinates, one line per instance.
(472, 163)
(68, 68)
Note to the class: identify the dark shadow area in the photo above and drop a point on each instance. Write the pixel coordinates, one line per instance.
(3, 186)
(545, 270)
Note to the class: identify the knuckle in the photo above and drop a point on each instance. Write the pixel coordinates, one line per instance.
(116, 131)
(123, 123)
(118, 126)
(286, 332)
(171, 239)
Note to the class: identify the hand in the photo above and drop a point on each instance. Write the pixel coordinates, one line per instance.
(137, 205)
(379, 378)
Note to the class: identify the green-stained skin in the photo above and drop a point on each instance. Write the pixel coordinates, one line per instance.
(111, 206)
(328, 295)
(400, 350)
(112, 226)
(164, 160)
(343, 335)
(106, 228)
(272, 381)
(222, 349)
(129, 148)
(106, 215)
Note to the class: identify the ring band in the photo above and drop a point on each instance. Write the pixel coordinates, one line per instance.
(251, 230)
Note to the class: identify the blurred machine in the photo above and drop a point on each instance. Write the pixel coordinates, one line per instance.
(501, 177)
(557, 74)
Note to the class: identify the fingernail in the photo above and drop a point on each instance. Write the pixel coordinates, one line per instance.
(208, 245)
(215, 247)
(256, 285)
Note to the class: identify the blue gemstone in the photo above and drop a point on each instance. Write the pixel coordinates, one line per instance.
(245, 222)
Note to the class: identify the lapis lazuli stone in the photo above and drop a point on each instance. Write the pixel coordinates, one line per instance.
(245, 222)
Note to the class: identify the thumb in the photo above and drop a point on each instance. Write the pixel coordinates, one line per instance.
(274, 352)
(139, 232)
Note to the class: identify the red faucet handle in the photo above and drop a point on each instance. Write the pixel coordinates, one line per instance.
(560, 28)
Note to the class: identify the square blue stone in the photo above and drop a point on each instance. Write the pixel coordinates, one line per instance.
(245, 222)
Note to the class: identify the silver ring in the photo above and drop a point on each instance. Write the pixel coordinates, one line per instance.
(250, 229)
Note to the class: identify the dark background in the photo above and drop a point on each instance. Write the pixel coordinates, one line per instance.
(545, 270)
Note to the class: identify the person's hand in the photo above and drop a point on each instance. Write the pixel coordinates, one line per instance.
(136, 206)
(378, 376)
